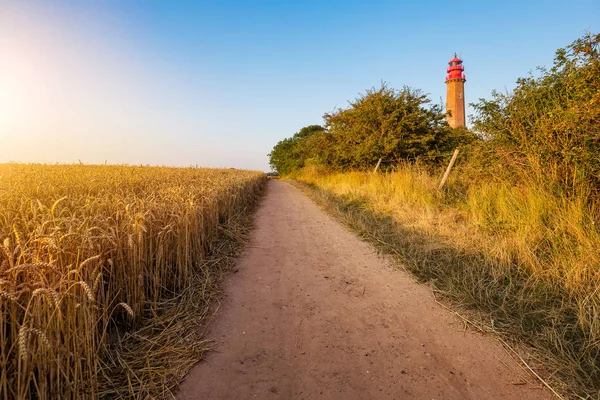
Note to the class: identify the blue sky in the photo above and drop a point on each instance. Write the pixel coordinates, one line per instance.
(218, 83)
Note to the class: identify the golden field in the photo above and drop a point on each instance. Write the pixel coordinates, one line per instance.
(97, 260)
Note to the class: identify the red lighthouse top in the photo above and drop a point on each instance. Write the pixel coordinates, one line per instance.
(455, 70)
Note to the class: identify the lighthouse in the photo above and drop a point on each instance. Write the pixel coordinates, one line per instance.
(455, 93)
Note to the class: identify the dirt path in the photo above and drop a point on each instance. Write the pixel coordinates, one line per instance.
(314, 313)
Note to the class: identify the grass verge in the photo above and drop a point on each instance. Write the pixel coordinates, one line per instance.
(500, 294)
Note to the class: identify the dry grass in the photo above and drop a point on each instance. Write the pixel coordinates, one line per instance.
(526, 259)
(104, 272)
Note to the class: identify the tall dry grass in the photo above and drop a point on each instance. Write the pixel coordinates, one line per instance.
(524, 256)
(89, 255)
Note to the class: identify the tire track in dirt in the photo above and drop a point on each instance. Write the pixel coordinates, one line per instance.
(313, 312)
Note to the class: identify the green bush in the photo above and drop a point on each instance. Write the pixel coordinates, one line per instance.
(548, 127)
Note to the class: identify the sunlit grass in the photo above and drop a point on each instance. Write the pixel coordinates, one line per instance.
(527, 256)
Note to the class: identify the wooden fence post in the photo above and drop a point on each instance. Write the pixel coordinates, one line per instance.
(377, 166)
(445, 177)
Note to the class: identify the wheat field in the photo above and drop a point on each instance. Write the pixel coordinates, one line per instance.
(89, 254)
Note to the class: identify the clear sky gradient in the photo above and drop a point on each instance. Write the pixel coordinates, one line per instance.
(218, 83)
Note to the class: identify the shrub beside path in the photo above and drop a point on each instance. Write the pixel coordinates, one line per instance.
(313, 312)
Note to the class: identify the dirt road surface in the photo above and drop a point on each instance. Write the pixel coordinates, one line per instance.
(314, 313)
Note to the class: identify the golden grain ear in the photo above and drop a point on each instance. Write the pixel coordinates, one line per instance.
(17, 235)
(55, 204)
(87, 290)
(127, 308)
(88, 261)
(7, 295)
(22, 341)
(50, 294)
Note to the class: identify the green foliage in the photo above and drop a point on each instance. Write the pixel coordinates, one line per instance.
(548, 127)
(383, 123)
(291, 154)
(388, 123)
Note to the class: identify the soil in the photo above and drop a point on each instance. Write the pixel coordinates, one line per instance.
(312, 312)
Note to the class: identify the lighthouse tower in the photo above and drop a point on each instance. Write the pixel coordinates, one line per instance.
(455, 94)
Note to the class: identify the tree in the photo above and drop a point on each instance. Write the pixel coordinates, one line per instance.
(291, 154)
(388, 123)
